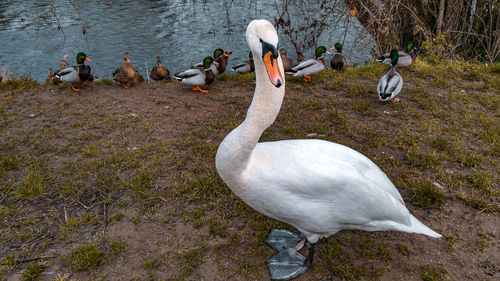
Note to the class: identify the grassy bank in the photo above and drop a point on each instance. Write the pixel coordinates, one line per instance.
(120, 184)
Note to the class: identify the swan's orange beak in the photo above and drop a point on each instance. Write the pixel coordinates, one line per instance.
(273, 70)
(87, 59)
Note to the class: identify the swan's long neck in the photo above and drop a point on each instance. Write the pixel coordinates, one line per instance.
(235, 150)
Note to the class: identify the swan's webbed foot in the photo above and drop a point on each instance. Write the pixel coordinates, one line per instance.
(288, 263)
(280, 239)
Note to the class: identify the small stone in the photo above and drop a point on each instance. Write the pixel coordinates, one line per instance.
(32, 115)
(133, 114)
(462, 91)
(310, 135)
(386, 112)
(436, 184)
(167, 107)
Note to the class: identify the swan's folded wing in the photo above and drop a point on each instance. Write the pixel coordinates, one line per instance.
(326, 177)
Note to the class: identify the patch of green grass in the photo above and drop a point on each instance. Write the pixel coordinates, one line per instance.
(115, 218)
(92, 255)
(426, 195)
(217, 228)
(105, 81)
(356, 89)
(479, 203)
(206, 186)
(432, 273)
(33, 272)
(403, 250)
(32, 186)
(313, 103)
(9, 162)
(9, 261)
(154, 263)
(494, 68)
(19, 84)
(483, 181)
(422, 159)
(86, 257)
(362, 107)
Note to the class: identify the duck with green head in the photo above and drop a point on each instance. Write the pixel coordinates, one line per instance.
(405, 58)
(246, 66)
(75, 74)
(199, 76)
(391, 83)
(221, 59)
(337, 62)
(311, 66)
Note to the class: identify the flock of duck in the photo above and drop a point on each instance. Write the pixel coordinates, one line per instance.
(205, 72)
(318, 187)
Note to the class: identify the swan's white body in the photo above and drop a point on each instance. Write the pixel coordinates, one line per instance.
(318, 187)
(390, 84)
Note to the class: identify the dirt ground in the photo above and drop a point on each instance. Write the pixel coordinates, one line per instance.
(120, 184)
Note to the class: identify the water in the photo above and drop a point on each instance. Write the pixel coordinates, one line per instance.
(181, 32)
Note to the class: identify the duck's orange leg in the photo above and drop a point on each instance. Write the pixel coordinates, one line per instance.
(74, 89)
(307, 78)
(126, 86)
(394, 100)
(197, 88)
(379, 99)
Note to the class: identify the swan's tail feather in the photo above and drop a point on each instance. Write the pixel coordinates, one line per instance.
(420, 228)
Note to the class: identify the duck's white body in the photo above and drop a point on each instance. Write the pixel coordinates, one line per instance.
(404, 60)
(69, 75)
(318, 187)
(308, 67)
(196, 76)
(390, 84)
(245, 67)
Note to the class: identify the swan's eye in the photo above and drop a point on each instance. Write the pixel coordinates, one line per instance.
(266, 48)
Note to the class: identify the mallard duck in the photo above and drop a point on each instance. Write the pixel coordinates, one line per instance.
(246, 66)
(75, 74)
(159, 72)
(337, 61)
(287, 63)
(310, 66)
(217, 53)
(50, 78)
(318, 187)
(405, 58)
(221, 61)
(391, 83)
(199, 76)
(125, 73)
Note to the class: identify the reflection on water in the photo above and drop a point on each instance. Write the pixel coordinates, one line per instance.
(182, 32)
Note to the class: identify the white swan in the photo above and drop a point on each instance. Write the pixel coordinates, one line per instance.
(319, 187)
(391, 83)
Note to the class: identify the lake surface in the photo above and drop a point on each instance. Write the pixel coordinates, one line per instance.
(182, 32)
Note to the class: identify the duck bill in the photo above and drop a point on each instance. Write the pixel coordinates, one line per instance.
(273, 70)
(87, 59)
